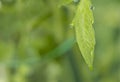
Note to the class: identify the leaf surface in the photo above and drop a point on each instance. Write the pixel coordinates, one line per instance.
(84, 31)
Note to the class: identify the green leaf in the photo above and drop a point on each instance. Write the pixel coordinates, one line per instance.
(84, 31)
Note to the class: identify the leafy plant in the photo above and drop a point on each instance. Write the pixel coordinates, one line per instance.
(26, 21)
(47, 40)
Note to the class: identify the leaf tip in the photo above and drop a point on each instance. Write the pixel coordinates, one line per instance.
(91, 67)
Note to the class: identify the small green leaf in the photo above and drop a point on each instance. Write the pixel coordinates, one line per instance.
(84, 31)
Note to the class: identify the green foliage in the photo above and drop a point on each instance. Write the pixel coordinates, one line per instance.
(84, 31)
(37, 43)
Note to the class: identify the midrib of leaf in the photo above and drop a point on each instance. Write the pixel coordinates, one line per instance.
(84, 31)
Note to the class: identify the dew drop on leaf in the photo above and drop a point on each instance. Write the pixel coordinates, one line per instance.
(92, 7)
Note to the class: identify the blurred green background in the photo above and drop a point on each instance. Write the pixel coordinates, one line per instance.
(37, 44)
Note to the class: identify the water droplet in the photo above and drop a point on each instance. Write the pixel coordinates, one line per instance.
(92, 7)
(91, 53)
(92, 21)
